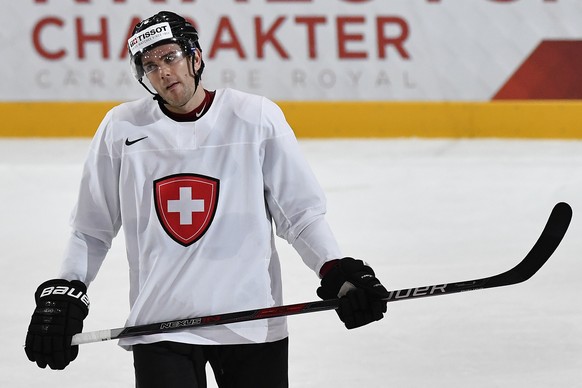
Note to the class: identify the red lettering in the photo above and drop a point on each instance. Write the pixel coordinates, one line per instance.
(36, 40)
(124, 51)
(100, 37)
(397, 41)
(357, 37)
(263, 38)
(225, 26)
(343, 37)
(311, 22)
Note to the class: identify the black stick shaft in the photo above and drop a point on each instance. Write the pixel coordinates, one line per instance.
(550, 238)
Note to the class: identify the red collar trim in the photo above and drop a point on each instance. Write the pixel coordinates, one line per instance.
(195, 114)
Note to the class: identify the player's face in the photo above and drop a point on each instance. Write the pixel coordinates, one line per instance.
(169, 71)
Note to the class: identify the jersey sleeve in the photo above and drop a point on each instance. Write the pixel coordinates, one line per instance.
(295, 199)
(96, 217)
(83, 258)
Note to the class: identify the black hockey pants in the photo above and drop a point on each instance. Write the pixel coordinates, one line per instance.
(177, 365)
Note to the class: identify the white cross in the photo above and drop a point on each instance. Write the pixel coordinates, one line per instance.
(185, 205)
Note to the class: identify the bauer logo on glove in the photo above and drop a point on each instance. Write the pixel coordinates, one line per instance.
(68, 291)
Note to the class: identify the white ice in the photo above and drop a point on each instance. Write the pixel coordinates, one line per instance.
(420, 212)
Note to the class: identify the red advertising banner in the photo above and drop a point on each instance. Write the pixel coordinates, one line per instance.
(421, 50)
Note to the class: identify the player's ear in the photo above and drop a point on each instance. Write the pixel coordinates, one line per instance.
(197, 59)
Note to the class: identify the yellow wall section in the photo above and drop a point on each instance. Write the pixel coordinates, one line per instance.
(502, 119)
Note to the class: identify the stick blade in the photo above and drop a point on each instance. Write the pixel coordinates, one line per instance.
(549, 240)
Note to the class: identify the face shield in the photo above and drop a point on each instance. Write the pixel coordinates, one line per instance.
(157, 59)
(146, 39)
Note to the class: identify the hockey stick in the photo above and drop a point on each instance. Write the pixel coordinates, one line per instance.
(544, 247)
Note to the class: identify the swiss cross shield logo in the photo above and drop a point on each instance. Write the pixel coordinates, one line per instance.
(186, 205)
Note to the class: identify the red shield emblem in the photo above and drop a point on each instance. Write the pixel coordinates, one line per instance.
(186, 204)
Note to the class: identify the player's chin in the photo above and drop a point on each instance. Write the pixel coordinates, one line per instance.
(177, 98)
(172, 99)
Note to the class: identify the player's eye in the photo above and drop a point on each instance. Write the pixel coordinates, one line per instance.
(150, 67)
(172, 57)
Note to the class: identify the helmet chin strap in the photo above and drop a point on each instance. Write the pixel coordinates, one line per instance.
(196, 74)
(157, 97)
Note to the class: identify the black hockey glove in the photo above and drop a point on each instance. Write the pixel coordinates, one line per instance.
(359, 290)
(61, 306)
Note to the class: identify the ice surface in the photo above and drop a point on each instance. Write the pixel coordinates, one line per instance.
(420, 211)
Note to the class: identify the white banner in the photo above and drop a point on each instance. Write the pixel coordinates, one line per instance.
(286, 49)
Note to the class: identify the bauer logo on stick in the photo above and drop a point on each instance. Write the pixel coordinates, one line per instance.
(148, 37)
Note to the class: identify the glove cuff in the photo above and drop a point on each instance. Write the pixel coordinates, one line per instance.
(327, 266)
(73, 291)
(334, 282)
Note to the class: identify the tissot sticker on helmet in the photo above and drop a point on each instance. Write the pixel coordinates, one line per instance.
(149, 37)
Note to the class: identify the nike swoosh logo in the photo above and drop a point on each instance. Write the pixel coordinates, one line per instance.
(198, 114)
(131, 142)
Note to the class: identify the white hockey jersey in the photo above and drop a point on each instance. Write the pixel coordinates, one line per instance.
(197, 201)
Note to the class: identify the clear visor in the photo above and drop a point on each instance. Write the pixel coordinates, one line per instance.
(155, 60)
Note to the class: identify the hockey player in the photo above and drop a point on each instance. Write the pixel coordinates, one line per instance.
(200, 181)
